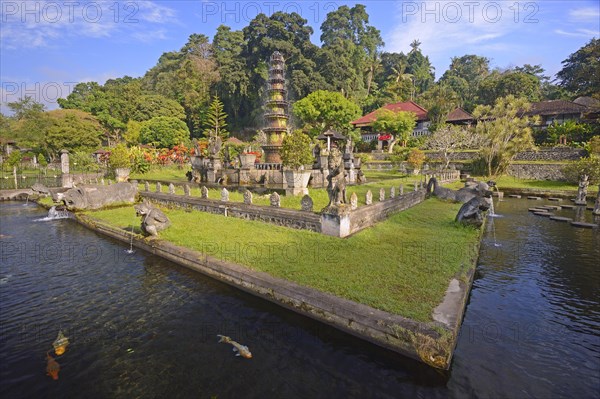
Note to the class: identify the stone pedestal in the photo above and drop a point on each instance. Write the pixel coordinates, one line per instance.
(296, 182)
(335, 221)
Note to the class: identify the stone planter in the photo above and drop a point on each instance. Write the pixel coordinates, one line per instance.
(247, 160)
(296, 181)
(122, 174)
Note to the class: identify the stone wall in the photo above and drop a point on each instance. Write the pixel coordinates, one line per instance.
(536, 171)
(278, 216)
(366, 216)
(552, 154)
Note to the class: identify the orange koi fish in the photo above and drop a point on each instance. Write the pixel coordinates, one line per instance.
(52, 367)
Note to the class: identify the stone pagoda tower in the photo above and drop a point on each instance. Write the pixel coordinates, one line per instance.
(276, 109)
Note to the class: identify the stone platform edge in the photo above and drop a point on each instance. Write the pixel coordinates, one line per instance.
(432, 343)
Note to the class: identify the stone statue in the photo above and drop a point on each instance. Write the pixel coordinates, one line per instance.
(582, 190)
(336, 186)
(463, 195)
(214, 145)
(471, 213)
(98, 196)
(153, 219)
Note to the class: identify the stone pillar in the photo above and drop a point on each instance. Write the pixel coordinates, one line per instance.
(186, 190)
(393, 192)
(171, 189)
(596, 210)
(66, 178)
(381, 194)
(146, 186)
(224, 194)
(401, 190)
(336, 222)
(158, 187)
(416, 186)
(204, 192)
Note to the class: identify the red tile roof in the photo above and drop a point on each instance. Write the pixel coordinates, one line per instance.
(459, 115)
(407, 106)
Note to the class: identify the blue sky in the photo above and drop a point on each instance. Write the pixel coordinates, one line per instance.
(48, 46)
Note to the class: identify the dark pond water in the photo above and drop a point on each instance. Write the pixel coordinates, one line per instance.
(143, 327)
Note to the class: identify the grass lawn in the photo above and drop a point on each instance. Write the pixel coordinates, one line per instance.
(168, 173)
(402, 265)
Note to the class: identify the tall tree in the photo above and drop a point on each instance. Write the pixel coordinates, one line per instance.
(420, 68)
(215, 122)
(439, 101)
(323, 110)
(503, 132)
(186, 76)
(581, 70)
(464, 76)
(288, 34)
(502, 84)
(73, 130)
(350, 52)
(233, 86)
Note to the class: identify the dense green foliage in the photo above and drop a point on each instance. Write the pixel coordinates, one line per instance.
(164, 132)
(296, 150)
(400, 124)
(323, 110)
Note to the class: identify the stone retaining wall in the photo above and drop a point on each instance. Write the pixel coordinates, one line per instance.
(366, 216)
(537, 171)
(278, 216)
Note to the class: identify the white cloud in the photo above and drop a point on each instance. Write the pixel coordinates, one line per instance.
(585, 14)
(577, 33)
(40, 23)
(442, 27)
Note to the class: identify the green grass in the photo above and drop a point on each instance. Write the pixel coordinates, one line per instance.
(402, 265)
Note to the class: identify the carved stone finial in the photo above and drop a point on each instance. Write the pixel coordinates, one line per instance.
(381, 194)
(248, 197)
(275, 200)
(353, 201)
(306, 203)
(224, 194)
(204, 192)
(369, 198)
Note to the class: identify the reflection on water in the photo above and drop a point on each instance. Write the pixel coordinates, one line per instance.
(140, 326)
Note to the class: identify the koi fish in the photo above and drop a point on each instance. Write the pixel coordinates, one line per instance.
(241, 350)
(60, 344)
(52, 367)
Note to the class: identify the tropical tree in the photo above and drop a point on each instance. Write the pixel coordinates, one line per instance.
(164, 132)
(323, 110)
(464, 76)
(400, 124)
(215, 122)
(448, 139)
(581, 70)
(73, 130)
(503, 132)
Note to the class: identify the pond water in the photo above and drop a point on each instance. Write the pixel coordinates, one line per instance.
(144, 327)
